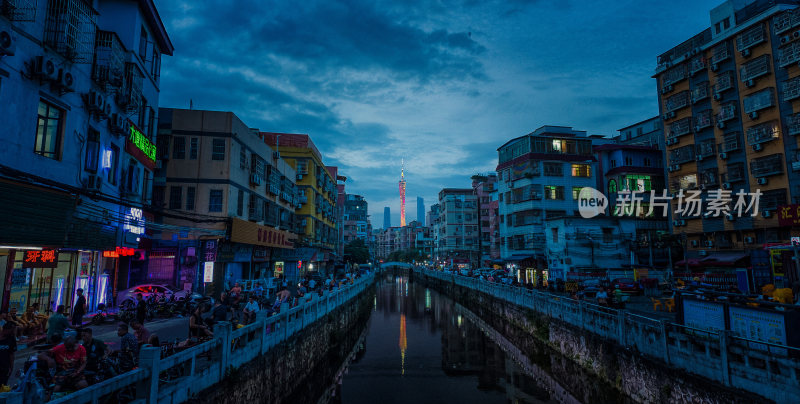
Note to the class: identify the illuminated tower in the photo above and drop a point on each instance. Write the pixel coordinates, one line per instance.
(402, 196)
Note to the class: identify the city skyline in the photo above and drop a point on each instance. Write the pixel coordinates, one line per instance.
(471, 55)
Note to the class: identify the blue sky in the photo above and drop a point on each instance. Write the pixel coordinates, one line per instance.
(441, 84)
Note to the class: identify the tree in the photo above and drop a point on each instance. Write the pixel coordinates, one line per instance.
(357, 251)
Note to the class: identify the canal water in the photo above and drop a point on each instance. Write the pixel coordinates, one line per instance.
(422, 347)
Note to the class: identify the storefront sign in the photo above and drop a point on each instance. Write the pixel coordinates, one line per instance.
(141, 148)
(210, 250)
(789, 215)
(229, 252)
(250, 233)
(279, 268)
(208, 272)
(134, 221)
(40, 259)
(119, 252)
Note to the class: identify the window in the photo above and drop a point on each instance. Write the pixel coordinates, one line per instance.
(48, 131)
(155, 70)
(726, 23)
(215, 200)
(648, 162)
(576, 191)
(143, 45)
(613, 163)
(179, 147)
(554, 192)
(612, 186)
(92, 151)
(302, 166)
(717, 28)
(608, 235)
(639, 183)
(112, 171)
(639, 131)
(143, 116)
(151, 122)
(628, 161)
(240, 203)
(553, 170)
(218, 149)
(190, 198)
(243, 159)
(175, 196)
(581, 170)
(554, 232)
(193, 145)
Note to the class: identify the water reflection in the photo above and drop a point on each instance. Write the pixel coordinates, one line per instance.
(444, 355)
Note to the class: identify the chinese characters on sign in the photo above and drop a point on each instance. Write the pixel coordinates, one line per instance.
(789, 215)
(717, 203)
(40, 259)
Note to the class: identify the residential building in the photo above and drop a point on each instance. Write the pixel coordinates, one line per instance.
(421, 210)
(412, 236)
(728, 97)
(79, 102)
(387, 218)
(235, 199)
(649, 132)
(485, 189)
(318, 195)
(458, 238)
(540, 177)
(356, 220)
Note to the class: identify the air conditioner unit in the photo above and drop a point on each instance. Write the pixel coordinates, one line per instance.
(702, 187)
(714, 67)
(665, 117)
(303, 222)
(795, 165)
(745, 53)
(699, 157)
(66, 80)
(754, 115)
(796, 34)
(717, 96)
(757, 147)
(709, 243)
(697, 128)
(676, 167)
(723, 155)
(671, 114)
(721, 125)
(682, 222)
(117, 122)
(730, 217)
(276, 155)
(749, 240)
(107, 109)
(750, 83)
(766, 213)
(299, 177)
(695, 243)
(45, 68)
(702, 253)
(726, 185)
(8, 45)
(785, 39)
(762, 181)
(96, 101)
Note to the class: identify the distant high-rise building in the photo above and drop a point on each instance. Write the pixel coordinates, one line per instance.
(402, 197)
(387, 218)
(421, 210)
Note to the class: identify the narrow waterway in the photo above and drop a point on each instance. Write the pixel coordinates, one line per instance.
(421, 347)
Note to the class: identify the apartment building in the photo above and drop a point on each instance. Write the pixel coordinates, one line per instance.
(728, 98)
(79, 89)
(458, 231)
(485, 188)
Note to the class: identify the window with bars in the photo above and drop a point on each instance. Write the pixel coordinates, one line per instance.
(554, 192)
(736, 172)
(772, 199)
(768, 165)
(750, 37)
(553, 169)
(581, 170)
(677, 101)
(759, 100)
(786, 21)
(70, 27)
(720, 53)
(700, 92)
(673, 75)
(705, 148)
(190, 196)
(789, 54)
(680, 127)
(218, 149)
(730, 142)
(793, 124)
(755, 68)
(179, 147)
(175, 197)
(724, 82)
(727, 112)
(764, 132)
(696, 64)
(791, 88)
(215, 200)
(681, 154)
(710, 177)
(702, 119)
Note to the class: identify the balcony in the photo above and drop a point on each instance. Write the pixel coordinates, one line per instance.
(677, 101)
(18, 10)
(793, 124)
(673, 76)
(70, 29)
(755, 68)
(710, 178)
(702, 120)
(724, 82)
(786, 21)
(130, 96)
(700, 92)
(763, 133)
(730, 142)
(109, 60)
(751, 37)
(697, 64)
(726, 112)
(680, 127)
(681, 155)
(789, 54)
(766, 166)
(720, 53)
(736, 172)
(705, 149)
(771, 200)
(758, 101)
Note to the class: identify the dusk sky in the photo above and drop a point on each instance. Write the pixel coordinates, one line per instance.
(441, 84)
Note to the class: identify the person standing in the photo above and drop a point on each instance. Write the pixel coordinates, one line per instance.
(8, 345)
(79, 310)
(141, 308)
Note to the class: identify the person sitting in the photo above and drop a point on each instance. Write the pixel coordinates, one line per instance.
(602, 297)
(19, 324)
(96, 350)
(69, 360)
(258, 290)
(8, 346)
(141, 333)
(197, 328)
(250, 310)
(128, 351)
(56, 325)
(36, 321)
(218, 313)
(281, 297)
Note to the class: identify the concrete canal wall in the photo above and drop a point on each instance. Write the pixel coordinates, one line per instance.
(645, 360)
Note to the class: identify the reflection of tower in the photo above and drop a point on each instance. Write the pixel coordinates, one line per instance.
(403, 344)
(402, 196)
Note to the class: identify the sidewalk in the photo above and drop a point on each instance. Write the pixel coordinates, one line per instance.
(167, 329)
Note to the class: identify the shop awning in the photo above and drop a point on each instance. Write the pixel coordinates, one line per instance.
(724, 259)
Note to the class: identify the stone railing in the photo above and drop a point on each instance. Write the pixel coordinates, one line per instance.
(766, 369)
(179, 377)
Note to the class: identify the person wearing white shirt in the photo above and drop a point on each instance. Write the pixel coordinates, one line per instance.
(250, 310)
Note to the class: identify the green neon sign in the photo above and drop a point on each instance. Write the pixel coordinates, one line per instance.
(144, 144)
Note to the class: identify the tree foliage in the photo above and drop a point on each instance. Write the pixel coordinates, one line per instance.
(358, 251)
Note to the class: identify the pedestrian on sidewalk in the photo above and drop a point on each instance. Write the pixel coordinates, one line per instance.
(141, 308)
(79, 310)
(56, 325)
(8, 345)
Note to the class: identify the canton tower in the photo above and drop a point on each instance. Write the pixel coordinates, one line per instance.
(402, 195)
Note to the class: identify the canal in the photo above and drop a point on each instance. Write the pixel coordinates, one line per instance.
(421, 346)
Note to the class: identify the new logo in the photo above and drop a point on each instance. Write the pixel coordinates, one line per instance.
(591, 202)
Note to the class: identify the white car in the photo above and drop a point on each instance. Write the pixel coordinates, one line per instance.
(149, 289)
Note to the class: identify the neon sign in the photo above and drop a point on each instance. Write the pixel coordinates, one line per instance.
(40, 259)
(134, 221)
(142, 143)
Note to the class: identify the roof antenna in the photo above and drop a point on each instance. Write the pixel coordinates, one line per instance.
(190, 103)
